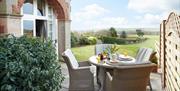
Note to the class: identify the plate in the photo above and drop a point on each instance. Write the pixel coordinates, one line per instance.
(124, 59)
(111, 61)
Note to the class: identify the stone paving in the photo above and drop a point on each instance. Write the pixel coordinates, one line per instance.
(155, 80)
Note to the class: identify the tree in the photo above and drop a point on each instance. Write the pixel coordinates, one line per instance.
(123, 34)
(113, 32)
(140, 33)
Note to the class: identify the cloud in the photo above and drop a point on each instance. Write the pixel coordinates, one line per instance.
(108, 22)
(94, 17)
(144, 6)
(102, 23)
(149, 13)
(152, 12)
(150, 20)
(89, 12)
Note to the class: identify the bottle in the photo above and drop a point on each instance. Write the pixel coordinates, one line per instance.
(101, 57)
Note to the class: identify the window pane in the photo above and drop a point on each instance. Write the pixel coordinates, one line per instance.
(41, 30)
(50, 30)
(28, 7)
(28, 27)
(41, 7)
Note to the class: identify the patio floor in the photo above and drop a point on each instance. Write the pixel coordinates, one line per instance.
(155, 80)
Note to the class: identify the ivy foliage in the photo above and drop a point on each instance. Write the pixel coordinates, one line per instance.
(28, 64)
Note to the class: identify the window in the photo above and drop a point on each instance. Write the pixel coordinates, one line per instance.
(51, 24)
(41, 7)
(28, 27)
(38, 19)
(28, 7)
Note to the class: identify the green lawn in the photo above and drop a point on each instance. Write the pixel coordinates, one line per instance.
(84, 52)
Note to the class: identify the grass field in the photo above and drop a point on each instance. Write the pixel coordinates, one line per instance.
(84, 52)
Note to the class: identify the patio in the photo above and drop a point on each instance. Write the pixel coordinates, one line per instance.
(51, 19)
(155, 80)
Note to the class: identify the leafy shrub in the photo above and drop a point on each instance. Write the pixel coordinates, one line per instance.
(28, 64)
(74, 40)
(83, 40)
(92, 40)
(112, 40)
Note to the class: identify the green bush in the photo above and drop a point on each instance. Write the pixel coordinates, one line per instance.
(92, 40)
(28, 64)
(112, 40)
(74, 40)
(83, 40)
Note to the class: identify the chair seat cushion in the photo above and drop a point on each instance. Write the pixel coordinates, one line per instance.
(72, 58)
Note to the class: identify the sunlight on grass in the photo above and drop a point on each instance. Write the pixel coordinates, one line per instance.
(83, 53)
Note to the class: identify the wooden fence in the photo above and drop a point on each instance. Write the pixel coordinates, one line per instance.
(169, 52)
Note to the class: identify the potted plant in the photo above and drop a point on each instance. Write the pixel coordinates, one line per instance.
(111, 50)
(153, 58)
(28, 64)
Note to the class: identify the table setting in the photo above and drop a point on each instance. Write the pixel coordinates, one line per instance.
(114, 59)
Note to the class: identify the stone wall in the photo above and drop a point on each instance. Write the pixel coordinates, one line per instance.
(10, 19)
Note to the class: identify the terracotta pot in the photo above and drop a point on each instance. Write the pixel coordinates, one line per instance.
(155, 69)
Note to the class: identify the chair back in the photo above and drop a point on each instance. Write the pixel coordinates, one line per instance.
(132, 78)
(70, 59)
(143, 54)
(99, 48)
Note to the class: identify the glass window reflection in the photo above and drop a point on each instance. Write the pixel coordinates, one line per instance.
(28, 7)
(28, 27)
(41, 7)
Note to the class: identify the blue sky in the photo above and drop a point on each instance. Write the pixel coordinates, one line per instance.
(100, 14)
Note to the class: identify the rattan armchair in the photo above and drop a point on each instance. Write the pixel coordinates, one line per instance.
(129, 78)
(99, 48)
(81, 78)
(143, 54)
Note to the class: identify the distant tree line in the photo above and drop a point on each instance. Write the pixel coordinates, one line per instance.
(105, 36)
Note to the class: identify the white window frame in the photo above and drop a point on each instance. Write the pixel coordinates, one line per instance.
(33, 17)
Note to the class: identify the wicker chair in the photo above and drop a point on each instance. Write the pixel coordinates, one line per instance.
(99, 48)
(81, 78)
(129, 78)
(143, 54)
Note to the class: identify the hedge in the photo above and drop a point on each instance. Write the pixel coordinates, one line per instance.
(29, 64)
(112, 40)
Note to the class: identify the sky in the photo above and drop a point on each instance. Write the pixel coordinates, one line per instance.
(102, 14)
